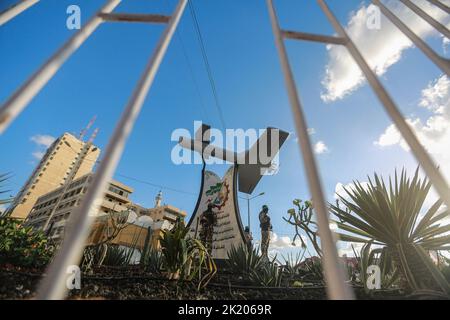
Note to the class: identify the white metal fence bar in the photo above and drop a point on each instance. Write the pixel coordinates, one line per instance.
(134, 17)
(440, 5)
(54, 284)
(311, 37)
(418, 150)
(334, 273)
(436, 24)
(15, 10)
(20, 99)
(443, 64)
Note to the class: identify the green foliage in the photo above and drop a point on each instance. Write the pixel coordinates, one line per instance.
(446, 272)
(117, 256)
(382, 259)
(291, 264)
(312, 269)
(22, 246)
(253, 267)
(186, 258)
(267, 275)
(388, 215)
(242, 260)
(153, 261)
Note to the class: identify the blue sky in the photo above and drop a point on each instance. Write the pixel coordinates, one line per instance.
(100, 76)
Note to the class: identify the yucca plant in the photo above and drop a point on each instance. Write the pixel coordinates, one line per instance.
(244, 260)
(186, 258)
(390, 216)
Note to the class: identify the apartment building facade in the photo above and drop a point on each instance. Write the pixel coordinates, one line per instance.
(53, 171)
(115, 201)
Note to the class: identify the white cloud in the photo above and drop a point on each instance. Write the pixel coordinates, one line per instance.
(311, 131)
(320, 147)
(434, 132)
(43, 140)
(381, 48)
(340, 189)
(445, 44)
(282, 242)
(345, 248)
(38, 155)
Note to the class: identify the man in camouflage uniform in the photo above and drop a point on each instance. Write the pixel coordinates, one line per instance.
(266, 227)
(208, 220)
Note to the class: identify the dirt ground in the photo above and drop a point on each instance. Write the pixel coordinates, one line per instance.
(112, 284)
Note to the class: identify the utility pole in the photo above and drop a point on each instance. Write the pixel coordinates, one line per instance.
(248, 206)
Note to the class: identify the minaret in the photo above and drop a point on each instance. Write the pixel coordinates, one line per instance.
(158, 199)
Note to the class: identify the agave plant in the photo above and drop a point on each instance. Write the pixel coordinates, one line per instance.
(312, 270)
(244, 260)
(153, 261)
(381, 258)
(390, 216)
(186, 258)
(117, 256)
(267, 275)
(291, 264)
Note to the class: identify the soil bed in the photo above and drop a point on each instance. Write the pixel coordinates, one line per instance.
(133, 283)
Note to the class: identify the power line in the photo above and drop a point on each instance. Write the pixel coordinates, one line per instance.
(137, 180)
(190, 68)
(156, 185)
(206, 61)
(191, 71)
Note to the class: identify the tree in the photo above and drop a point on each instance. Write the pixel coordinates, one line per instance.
(302, 220)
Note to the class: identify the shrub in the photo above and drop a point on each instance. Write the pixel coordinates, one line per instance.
(186, 258)
(22, 246)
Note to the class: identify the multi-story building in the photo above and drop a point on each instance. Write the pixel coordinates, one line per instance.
(116, 200)
(53, 171)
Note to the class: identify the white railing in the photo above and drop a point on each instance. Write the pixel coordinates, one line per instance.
(334, 274)
(54, 284)
(15, 10)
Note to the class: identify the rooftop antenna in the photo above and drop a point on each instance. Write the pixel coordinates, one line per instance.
(85, 130)
(93, 136)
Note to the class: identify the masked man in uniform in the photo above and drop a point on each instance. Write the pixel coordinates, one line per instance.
(266, 227)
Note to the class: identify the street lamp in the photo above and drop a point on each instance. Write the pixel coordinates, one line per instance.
(248, 206)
